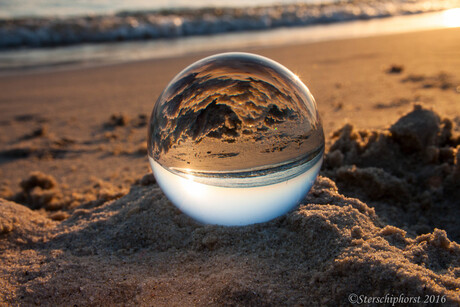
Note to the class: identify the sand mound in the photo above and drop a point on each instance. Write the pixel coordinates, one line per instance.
(138, 249)
(20, 225)
(410, 174)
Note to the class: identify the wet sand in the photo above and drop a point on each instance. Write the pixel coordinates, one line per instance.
(80, 224)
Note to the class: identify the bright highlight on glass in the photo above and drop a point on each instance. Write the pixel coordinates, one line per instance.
(235, 139)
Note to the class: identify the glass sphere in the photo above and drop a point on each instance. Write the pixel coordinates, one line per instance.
(235, 139)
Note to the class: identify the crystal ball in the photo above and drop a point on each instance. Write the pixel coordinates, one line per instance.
(235, 139)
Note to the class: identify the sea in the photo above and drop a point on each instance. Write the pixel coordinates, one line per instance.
(58, 34)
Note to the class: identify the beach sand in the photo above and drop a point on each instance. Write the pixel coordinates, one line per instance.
(83, 223)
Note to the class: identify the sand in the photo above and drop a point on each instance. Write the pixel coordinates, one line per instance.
(82, 222)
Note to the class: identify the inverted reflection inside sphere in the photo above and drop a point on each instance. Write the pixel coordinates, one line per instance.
(235, 139)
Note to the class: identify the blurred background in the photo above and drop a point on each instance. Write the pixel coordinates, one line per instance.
(44, 34)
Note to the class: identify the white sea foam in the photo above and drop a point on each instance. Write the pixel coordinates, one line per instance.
(173, 23)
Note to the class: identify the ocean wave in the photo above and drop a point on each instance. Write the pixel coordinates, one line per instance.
(125, 26)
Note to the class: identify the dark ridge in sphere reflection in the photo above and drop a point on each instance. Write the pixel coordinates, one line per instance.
(235, 120)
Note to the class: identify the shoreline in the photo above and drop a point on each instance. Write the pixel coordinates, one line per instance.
(322, 66)
(26, 61)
